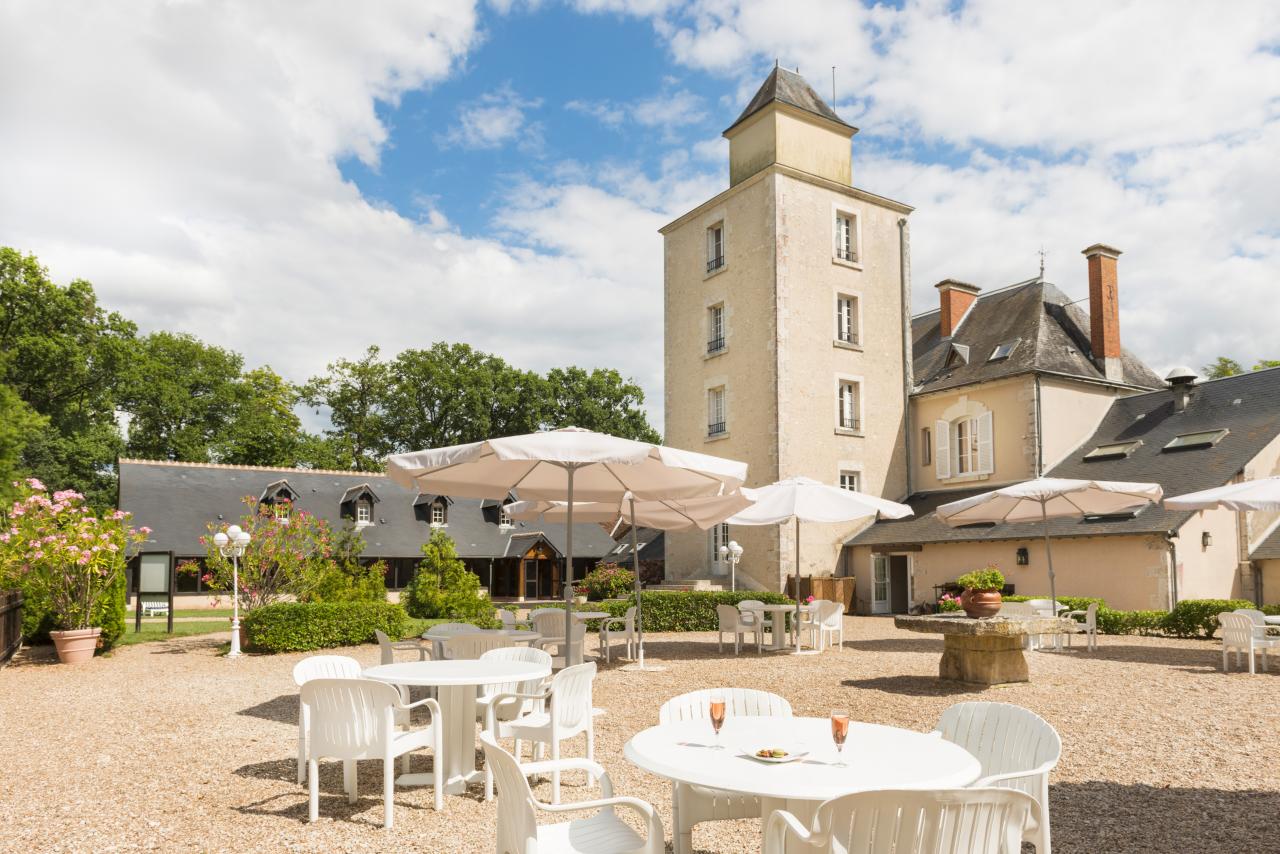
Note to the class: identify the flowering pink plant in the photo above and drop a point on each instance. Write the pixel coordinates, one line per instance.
(808, 600)
(56, 546)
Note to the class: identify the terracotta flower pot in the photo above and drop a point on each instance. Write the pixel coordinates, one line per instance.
(76, 646)
(980, 603)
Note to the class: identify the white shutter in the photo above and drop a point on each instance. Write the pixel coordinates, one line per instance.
(986, 459)
(942, 449)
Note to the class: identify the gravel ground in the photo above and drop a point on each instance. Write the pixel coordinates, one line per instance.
(168, 746)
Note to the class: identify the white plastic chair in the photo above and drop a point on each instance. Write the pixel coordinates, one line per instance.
(512, 709)
(354, 719)
(1240, 633)
(568, 712)
(1089, 628)
(388, 647)
(692, 805)
(473, 645)
(731, 622)
(549, 622)
(907, 821)
(1017, 749)
(827, 621)
(1046, 608)
(749, 615)
(318, 667)
(627, 632)
(518, 831)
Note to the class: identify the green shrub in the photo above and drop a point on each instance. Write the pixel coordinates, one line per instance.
(1193, 618)
(1271, 610)
(443, 587)
(989, 578)
(350, 582)
(1130, 622)
(300, 626)
(111, 613)
(608, 581)
(1073, 603)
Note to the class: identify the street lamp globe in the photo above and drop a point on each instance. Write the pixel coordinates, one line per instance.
(242, 538)
(234, 532)
(724, 552)
(735, 548)
(220, 540)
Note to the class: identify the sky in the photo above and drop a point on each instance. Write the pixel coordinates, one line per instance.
(299, 180)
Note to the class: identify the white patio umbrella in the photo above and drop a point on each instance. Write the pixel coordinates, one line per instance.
(664, 514)
(1048, 498)
(1262, 494)
(803, 499)
(565, 464)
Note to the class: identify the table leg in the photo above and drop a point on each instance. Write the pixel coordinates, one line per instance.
(458, 717)
(805, 811)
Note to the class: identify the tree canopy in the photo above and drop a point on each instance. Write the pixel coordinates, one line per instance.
(1224, 366)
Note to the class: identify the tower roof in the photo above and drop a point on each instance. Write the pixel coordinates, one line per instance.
(790, 88)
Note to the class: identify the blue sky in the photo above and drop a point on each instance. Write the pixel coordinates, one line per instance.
(456, 170)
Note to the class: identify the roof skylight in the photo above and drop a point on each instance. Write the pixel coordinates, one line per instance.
(1112, 451)
(1199, 439)
(1003, 350)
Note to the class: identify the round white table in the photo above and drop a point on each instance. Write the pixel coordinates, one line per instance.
(456, 682)
(778, 636)
(439, 635)
(877, 757)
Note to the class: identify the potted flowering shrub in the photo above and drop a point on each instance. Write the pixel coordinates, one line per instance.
(58, 548)
(981, 596)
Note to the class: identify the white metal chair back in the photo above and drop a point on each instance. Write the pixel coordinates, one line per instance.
(629, 620)
(548, 622)
(350, 718)
(830, 614)
(1255, 616)
(945, 821)
(743, 702)
(473, 645)
(517, 824)
(730, 618)
(326, 667)
(1237, 630)
(1017, 749)
(384, 647)
(523, 654)
(571, 696)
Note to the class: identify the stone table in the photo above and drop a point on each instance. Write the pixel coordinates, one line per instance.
(986, 651)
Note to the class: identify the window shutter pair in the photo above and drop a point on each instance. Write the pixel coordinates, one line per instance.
(942, 449)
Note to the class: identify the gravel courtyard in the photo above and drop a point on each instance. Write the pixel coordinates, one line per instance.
(168, 746)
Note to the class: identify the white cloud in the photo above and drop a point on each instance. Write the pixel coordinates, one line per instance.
(668, 110)
(492, 120)
(605, 112)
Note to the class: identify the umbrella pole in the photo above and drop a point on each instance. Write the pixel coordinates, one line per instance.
(568, 578)
(635, 562)
(1048, 552)
(797, 625)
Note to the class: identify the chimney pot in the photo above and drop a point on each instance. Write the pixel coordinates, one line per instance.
(956, 299)
(1104, 310)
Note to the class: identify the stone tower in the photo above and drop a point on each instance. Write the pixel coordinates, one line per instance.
(787, 343)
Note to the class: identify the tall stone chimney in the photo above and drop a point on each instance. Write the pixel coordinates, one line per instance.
(956, 298)
(1104, 310)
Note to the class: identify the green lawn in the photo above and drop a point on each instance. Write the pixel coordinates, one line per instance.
(156, 631)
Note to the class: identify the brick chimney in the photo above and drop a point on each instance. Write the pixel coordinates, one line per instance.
(956, 298)
(1104, 310)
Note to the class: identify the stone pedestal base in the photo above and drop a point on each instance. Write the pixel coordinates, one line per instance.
(984, 659)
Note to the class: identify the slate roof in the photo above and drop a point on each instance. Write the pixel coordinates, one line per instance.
(1269, 548)
(1247, 405)
(1052, 336)
(177, 500)
(789, 88)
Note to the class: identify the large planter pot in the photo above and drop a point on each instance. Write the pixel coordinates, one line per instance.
(76, 646)
(980, 603)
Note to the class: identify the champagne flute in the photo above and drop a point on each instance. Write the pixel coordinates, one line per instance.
(717, 716)
(839, 732)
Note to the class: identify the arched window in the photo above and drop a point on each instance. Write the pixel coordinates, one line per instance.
(964, 445)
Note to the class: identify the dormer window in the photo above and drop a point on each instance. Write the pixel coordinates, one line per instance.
(504, 517)
(364, 512)
(438, 516)
(1003, 350)
(1199, 439)
(1112, 451)
(281, 508)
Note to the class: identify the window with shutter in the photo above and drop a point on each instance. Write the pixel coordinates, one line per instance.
(846, 237)
(985, 445)
(849, 417)
(715, 412)
(847, 319)
(942, 453)
(715, 247)
(715, 329)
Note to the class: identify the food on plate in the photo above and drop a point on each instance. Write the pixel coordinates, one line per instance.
(771, 753)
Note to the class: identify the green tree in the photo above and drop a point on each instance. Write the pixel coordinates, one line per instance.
(1222, 367)
(1263, 364)
(64, 356)
(443, 587)
(600, 400)
(355, 394)
(180, 396)
(263, 429)
(18, 423)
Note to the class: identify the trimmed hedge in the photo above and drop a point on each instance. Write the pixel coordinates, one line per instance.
(1112, 622)
(1190, 618)
(1073, 603)
(1198, 618)
(679, 610)
(302, 626)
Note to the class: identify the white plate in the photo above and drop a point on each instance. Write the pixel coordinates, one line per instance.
(794, 752)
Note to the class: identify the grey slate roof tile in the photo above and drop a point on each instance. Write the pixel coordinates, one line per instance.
(789, 88)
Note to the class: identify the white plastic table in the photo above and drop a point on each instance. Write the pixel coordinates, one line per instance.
(877, 757)
(456, 681)
(778, 637)
(438, 636)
